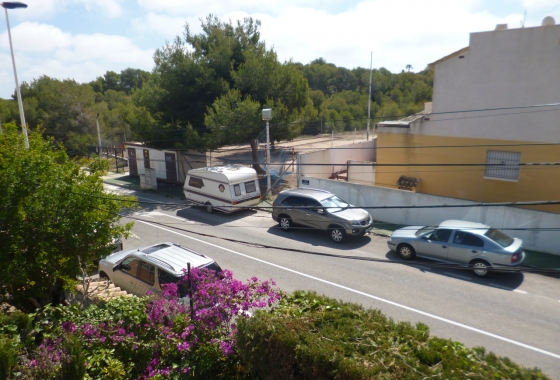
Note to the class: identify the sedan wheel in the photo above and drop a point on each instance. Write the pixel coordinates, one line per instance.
(285, 223)
(406, 252)
(209, 208)
(338, 235)
(481, 268)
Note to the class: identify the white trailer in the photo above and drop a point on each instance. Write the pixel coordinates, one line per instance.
(221, 187)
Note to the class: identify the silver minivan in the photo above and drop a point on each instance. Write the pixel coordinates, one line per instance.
(145, 269)
(457, 241)
(320, 209)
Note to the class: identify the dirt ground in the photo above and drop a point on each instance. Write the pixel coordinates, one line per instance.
(241, 154)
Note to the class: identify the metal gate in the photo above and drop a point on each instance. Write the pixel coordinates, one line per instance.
(132, 164)
(171, 167)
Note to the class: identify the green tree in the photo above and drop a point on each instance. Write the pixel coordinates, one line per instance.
(65, 110)
(53, 216)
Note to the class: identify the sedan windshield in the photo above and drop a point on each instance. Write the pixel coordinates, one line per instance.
(499, 237)
(334, 203)
(425, 230)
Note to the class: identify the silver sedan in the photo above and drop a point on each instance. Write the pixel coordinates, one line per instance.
(459, 242)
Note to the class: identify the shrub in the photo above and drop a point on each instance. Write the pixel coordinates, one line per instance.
(149, 337)
(314, 337)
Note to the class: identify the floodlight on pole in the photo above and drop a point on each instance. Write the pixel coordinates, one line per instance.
(369, 97)
(267, 115)
(6, 6)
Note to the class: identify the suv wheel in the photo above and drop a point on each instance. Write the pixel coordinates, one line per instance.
(338, 235)
(285, 223)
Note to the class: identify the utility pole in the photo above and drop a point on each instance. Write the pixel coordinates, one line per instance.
(369, 97)
(98, 137)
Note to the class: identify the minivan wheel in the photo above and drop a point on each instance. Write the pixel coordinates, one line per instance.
(209, 208)
(285, 223)
(406, 252)
(481, 268)
(338, 235)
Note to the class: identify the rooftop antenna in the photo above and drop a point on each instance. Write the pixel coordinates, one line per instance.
(524, 17)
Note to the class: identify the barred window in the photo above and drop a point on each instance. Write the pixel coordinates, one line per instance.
(503, 165)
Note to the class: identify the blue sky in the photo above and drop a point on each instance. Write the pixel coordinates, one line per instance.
(82, 39)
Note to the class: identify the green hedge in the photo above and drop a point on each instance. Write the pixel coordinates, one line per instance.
(315, 337)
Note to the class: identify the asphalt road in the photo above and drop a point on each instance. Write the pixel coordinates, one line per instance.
(512, 314)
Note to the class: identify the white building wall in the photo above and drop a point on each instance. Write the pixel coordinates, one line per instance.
(499, 217)
(361, 172)
(504, 68)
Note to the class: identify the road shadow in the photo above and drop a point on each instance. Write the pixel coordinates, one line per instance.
(496, 279)
(199, 214)
(318, 238)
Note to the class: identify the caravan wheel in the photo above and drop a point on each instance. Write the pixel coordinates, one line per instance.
(209, 208)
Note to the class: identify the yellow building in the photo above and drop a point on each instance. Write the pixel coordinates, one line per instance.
(492, 132)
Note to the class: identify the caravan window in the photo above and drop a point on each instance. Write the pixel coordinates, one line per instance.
(250, 187)
(237, 189)
(196, 182)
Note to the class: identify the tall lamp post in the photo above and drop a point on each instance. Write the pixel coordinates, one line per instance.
(267, 115)
(6, 6)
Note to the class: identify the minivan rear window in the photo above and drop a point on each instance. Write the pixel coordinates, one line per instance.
(250, 187)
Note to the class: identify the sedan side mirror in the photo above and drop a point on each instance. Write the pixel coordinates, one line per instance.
(321, 210)
(424, 237)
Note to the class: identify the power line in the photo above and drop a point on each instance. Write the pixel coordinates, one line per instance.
(361, 258)
(479, 204)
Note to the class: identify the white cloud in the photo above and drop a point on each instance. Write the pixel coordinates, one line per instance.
(105, 48)
(201, 8)
(167, 26)
(399, 32)
(45, 50)
(111, 8)
(33, 37)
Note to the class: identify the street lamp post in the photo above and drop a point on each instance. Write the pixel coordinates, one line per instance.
(267, 115)
(6, 6)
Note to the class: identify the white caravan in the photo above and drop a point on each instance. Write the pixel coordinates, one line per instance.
(220, 187)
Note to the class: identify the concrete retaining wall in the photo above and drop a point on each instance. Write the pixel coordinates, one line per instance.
(501, 217)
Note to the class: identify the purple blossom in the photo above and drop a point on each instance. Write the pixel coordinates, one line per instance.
(69, 327)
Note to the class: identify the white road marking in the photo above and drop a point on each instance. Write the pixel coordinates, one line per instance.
(506, 288)
(157, 213)
(457, 276)
(467, 327)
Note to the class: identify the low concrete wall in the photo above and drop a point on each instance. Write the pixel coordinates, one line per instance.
(501, 217)
(365, 151)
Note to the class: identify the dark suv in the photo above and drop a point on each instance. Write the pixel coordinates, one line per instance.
(322, 210)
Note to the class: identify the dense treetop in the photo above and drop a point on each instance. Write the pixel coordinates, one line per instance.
(207, 90)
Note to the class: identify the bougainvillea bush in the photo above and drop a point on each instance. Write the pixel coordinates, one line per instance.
(153, 337)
